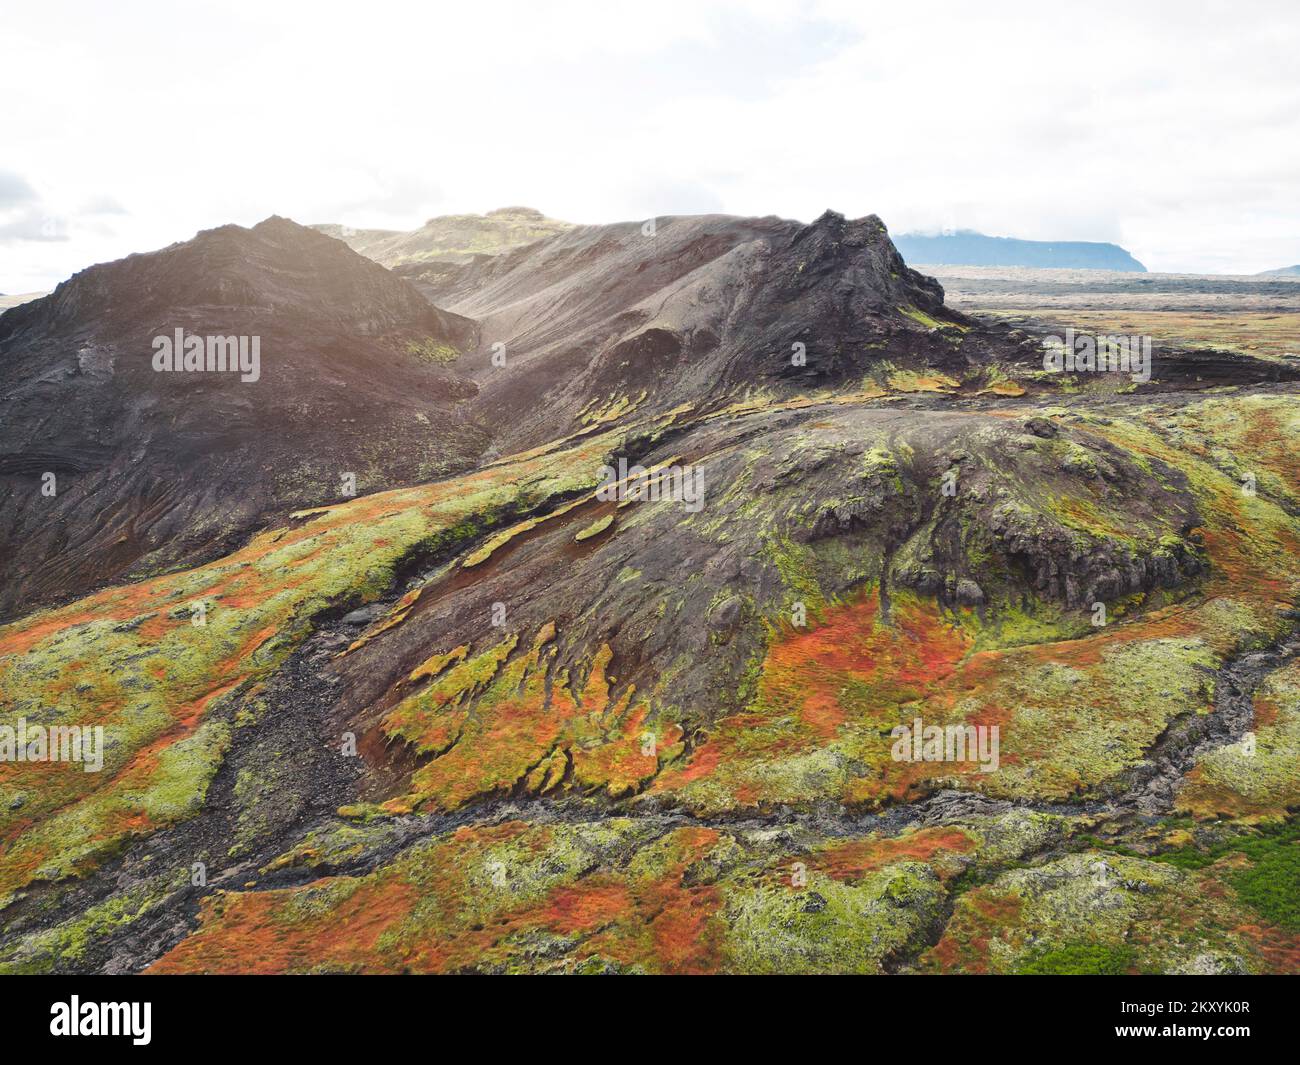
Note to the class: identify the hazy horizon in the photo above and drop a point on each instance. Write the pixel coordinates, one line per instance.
(1173, 131)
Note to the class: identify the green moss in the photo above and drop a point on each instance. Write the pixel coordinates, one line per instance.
(185, 769)
(1079, 959)
(432, 350)
(1262, 778)
(923, 381)
(1079, 723)
(1254, 844)
(1272, 885)
(336, 844)
(75, 837)
(796, 564)
(43, 951)
(919, 316)
(595, 528)
(830, 927)
(1271, 882)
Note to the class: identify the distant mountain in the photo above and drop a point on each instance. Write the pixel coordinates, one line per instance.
(1284, 271)
(13, 300)
(965, 247)
(450, 238)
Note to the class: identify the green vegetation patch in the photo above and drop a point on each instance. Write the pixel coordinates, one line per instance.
(432, 350)
(1080, 959)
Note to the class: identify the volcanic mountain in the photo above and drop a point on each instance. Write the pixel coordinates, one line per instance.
(111, 468)
(695, 310)
(541, 713)
(115, 468)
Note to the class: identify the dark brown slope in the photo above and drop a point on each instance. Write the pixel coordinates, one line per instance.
(702, 309)
(154, 469)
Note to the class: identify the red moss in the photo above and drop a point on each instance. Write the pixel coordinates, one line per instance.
(1266, 712)
(851, 669)
(393, 923)
(590, 904)
(964, 946)
(1279, 949)
(853, 860)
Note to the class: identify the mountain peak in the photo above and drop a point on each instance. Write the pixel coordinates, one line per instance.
(350, 374)
(248, 271)
(531, 213)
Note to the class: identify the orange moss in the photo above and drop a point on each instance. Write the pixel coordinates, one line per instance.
(254, 937)
(623, 764)
(853, 860)
(1266, 711)
(1279, 949)
(515, 734)
(670, 927)
(594, 902)
(964, 946)
(853, 671)
(422, 914)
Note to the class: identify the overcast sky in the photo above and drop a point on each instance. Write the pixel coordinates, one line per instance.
(1172, 129)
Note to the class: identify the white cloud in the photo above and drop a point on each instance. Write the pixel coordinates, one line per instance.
(1171, 128)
